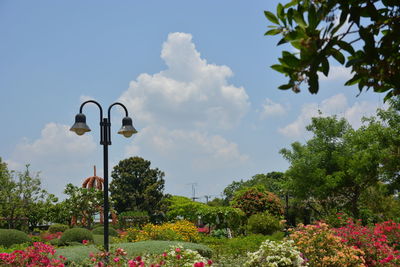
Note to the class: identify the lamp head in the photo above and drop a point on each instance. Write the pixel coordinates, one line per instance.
(80, 127)
(127, 128)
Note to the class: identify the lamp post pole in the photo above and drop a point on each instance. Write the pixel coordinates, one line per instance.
(80, 127)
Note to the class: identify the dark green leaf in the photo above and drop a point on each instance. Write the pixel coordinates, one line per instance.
(345, 46)
(312, 17)
(292, 3)
(289, 16)
(280, 11)
(355, 79)
(337, 55)
(289, 59)
(285, 86)
(273, 32)
(325, 65)
(298, 17)
(271, 17)
(282, 41)
(313, 84)
(278, 68)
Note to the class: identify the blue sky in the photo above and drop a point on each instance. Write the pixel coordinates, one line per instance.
(194, 75)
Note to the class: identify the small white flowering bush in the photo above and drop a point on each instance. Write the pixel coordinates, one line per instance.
(275, 254)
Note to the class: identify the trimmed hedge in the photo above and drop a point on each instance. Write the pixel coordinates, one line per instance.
(54, 228)
(263, 223)
(100, 231)
(9, 237)
(76, 235)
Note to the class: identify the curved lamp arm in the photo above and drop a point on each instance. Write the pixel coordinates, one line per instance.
(114, 104)
(94, 102)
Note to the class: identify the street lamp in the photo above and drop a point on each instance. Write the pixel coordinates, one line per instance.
(80, 127)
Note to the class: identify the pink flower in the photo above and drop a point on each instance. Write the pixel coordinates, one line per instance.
(132, 263)
(199, 264)
(178, 250)
(178, 257)
(165, 254)
(138, 258)
(209, 262)
(116, 259)
(85, 242)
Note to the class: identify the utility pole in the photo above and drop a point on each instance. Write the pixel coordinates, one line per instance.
(193, 191)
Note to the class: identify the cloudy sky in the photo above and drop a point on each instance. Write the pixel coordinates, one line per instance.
(194, 76)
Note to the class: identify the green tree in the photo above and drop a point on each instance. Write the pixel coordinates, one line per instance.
(272, 182)
(136, 186)
(83, 203)
(362, 35)
(339, 164)
(20, 196)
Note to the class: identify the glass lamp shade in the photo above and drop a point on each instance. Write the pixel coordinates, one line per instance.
(80, 127)
(127, 128)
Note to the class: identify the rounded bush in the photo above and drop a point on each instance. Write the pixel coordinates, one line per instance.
(54, 242)
(263, 223)
(100, 231)
(76, 235)
(54, 228)
(9, 237)
(254, 200)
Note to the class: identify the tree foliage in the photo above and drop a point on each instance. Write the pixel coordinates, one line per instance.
(339, 165)
(363, 35)
(255, 200)
(83, 203)
(22, 200)
(136, 186)
(220, 217)
(272, 182)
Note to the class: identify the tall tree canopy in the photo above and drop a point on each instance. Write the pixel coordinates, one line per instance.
(363, 35)
(22, 200)
(339, 165)
(271, 181)
(136, 186)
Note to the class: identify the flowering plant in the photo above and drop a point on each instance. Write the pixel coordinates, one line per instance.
(181, 231)
(378, 242)
(175, 257)
(47, 236)
(272, 253)
(322, 247)
(39, 254)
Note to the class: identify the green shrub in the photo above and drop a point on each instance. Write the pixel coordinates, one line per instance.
(55, 242)
(133, 219)
(100, 231)
(54, 228)
(237, 246)
(76, 235)
(9, 237)
(12, 248)
(263, 223)
(219, 233)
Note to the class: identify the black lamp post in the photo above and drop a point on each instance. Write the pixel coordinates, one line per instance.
(80, 127)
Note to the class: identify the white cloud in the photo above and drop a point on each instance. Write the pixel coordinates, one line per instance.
(189, 93)
(178, 107)
(271, 109)
(58, 154)
(335, 105)
(198, 149)
(337, 73)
